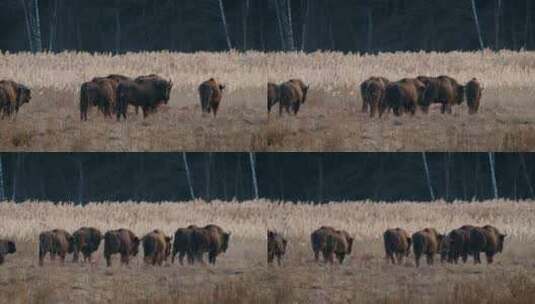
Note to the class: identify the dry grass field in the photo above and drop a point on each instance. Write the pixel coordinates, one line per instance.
(330, 120)
(242, 276)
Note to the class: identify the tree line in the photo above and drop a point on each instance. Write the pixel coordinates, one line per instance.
(303, 25)
(306, 177)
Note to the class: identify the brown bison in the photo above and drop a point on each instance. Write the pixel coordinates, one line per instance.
(12, 96)
(211, 239)
(292, 94)
(473, 90)
(445, 249)
(211, 94)
(304, 88)
(276, 246)
(373, 91)
(273, 95)
(55, 242)
(156, 247)
(444, 90)
(397, 243)
(331, 242)
(147, 92)
(182, 244)
(122, 241)
(6, 247)
(98, 93)
(86, 240)
(458, 241)
(487, 239)
(426, 242)
(403, 96)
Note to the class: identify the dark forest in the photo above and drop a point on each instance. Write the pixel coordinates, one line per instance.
(312, 177)
(309, 25)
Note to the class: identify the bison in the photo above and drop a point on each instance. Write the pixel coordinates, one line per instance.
(276, 246)
(12, 96)
(426, 242)
(397, 243)
(211, 239)
(86, 240)
(373, 91)
(182, 244)
(291, 97)
(473, 90)
(156, 247)
(331, 242)
(273, 95)
(444, 90)
(122, 241)
(210, 94)
(6, 247)
(458, 242)
(403, 96)
(55, 242)
(487, 239)
(97, 93)
(147, 92)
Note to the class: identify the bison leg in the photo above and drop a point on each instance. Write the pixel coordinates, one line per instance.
(270, 257)
(279, 259)
(400, 258)
(146, 111)
(212, 256)
(417, 260)
(181, 258)
(340, 257)
(108, 260)
(316, 255)
(477, 258)
(490, 257)
(430, 259)
(1, 259)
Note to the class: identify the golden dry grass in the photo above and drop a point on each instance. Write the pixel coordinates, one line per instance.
(329, 121)
(241, 275)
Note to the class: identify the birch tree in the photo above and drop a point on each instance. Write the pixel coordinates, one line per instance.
(497, 17)
(188, 175)
(245, 17)
(81, 181)
(493, 174)
(224, 24)
(283, 9)
(478, 27)
(252, 163)
(33, 24)
(117, 26)
(428, 176)
(305, 7)
(53, 26)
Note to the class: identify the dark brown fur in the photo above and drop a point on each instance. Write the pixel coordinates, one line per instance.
(6, 247)
(487, 239)
(211, 94)
(97, 93)
(403, 96)
(121, 241)
(86, 240)
(458, 241)
(331, 242)
(147, 92)
(473, 91)
(373, 91)
(211, 239)
(397, 243)
(291, 97)
(273, 95)
(156, 247)
(182, 244)
(276, 246)
(444, 90)
(12, 96)
(55, 242)
(426, 242)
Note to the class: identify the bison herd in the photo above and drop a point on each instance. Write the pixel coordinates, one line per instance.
(112, 95)
(193, 242)
(459, 243)
(408, 94)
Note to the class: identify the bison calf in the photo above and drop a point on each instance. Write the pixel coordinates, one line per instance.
(55, 242)
(397, 243)
(6, 247)
(86, 240)
(156, 247)
(426, 242)
(276, 246)
(121, 241)
(210, 94)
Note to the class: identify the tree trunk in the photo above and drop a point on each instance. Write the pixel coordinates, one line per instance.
(478, 28)
(527, 26)
(284, 15)
(305, 8)
(447, 173)
(33, 25)
(497, 16)
(244, 23)
(253, 174)
(320, 179)
(208, 169)
(428, 177)
(53, 26)
(80, 180)
(2, 191)
(493, 174)
(224, 24)
(188, 175)
(526, 175)
(117, 28)
(16, 175)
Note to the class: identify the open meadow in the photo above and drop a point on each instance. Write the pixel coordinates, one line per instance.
(330, 120)
(241, 274)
